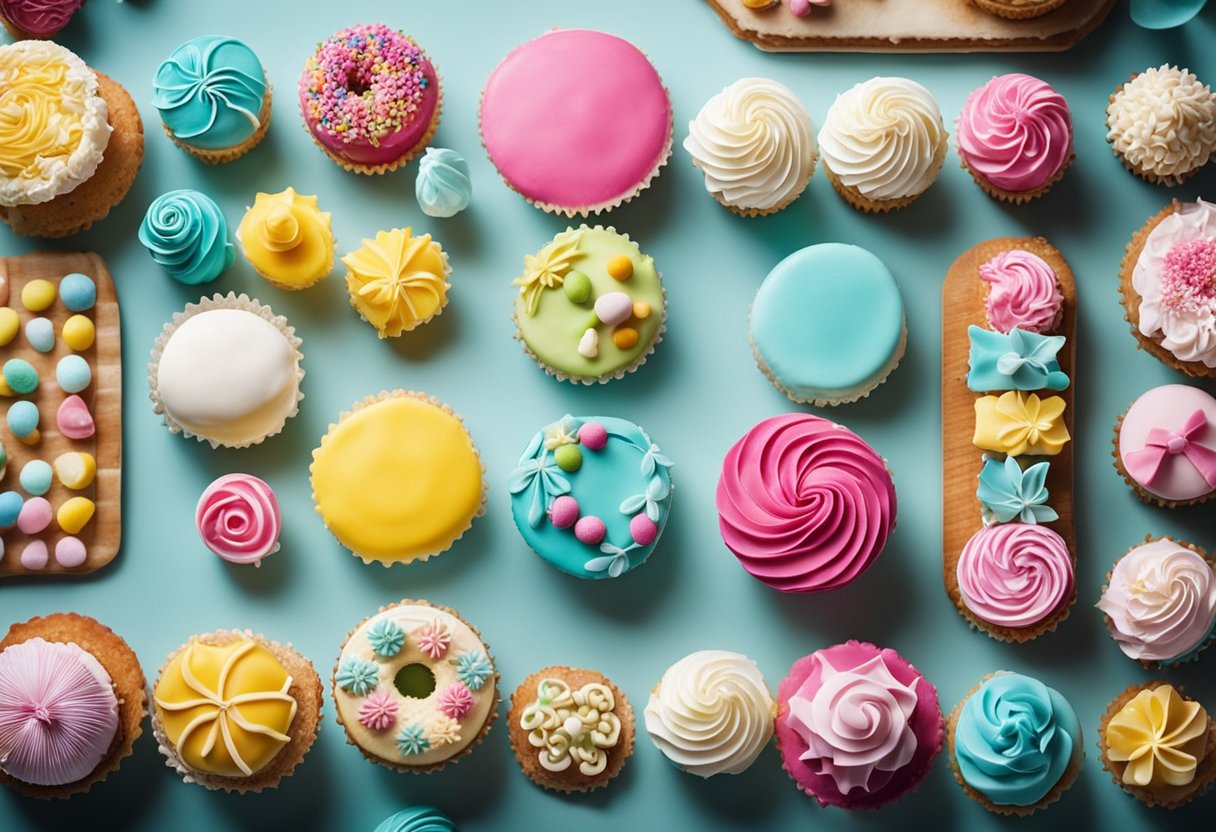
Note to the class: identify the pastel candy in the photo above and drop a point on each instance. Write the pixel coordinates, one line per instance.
(643, 530)
(38, 295)
(564, 512)
(75, 514)
(40, 332)
(10, 322)
(73, 374)
(10, 508)
(36, 477)
(78, 292)
(74, 419)
(590, 530)
(589, 344)
(79, 332)
(577, 286)
(613, 308)
(35, 555)
(23, 418)
(20, 376)
(35, 515)
(593, 436)
(75, 469)
(3, 302)
(70, 552)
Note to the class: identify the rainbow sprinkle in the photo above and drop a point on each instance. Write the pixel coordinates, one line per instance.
(1188, 283)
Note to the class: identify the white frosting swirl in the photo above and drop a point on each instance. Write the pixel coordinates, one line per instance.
(754, 142)
(1163, 122)
(711, 713)
(1186, 330)
(884, 137)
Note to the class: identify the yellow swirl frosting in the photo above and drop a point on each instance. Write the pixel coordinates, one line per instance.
(53, 124)
(398, 281)
(1017, 423)
(1161, 736)
(288, 239)
(225, 709)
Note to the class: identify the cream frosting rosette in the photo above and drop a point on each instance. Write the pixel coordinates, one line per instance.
(1162, 123)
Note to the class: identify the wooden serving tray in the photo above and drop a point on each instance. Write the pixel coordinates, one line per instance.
(909, 26)
(103, 396)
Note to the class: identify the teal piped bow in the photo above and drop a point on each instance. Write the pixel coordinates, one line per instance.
(1019, 360)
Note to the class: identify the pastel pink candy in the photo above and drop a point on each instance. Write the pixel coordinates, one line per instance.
(238, 518)
(36, 514)
(1022, 292)
(70, 552)
(590, 530)
(643, 530)
(74, 419)
(34, 555)
(564, 512)
(593, 436)
(1015, 574)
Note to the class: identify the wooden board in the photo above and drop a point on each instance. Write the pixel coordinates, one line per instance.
(909, 26)
(963, 304)
(103, 396)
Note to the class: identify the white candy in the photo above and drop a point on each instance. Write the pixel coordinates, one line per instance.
(613, 308)
(589, 344)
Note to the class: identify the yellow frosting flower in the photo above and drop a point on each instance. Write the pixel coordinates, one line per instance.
(1160, 736)
(288, 239)
(398, 281)
(547, 270)
(1017, 423)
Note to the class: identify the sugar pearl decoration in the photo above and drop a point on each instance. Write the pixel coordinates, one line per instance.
(590, 530)
(593, 436)
(643, 530)
(564, 512)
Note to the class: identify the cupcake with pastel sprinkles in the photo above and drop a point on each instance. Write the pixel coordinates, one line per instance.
(1165, 446)
(370, 98)
(186, 234)
(591, 495)
(415, 687)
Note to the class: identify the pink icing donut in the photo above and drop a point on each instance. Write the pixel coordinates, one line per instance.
(804, 503)
(1022, 292)
(238, 519)
(39, 18)
(1015, 574)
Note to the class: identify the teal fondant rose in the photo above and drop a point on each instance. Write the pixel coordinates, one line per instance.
(187, 235)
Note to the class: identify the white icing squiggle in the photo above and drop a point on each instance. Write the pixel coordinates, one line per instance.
(1163, 122)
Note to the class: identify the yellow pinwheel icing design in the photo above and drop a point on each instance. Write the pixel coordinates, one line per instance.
(398, 281)
(548, 268)
(1160, 736)
(1017, 423)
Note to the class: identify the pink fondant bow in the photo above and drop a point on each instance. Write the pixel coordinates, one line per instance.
(1145, 464)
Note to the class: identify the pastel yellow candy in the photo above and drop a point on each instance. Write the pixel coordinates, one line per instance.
(9, 324)
(38, 295)
(31, 438)
(620, 267)
(625, 338)
(75, 514)
(5, 390)
(641, 310)
(75, 469)
(79, 332)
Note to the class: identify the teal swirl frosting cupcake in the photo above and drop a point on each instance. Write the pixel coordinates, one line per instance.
(443, 186)
(1015, 744)
(187, 235)
(417, 819)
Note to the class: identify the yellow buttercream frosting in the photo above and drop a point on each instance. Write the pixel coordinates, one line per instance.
(1161, 736)
(288, 239)
(225, 710)
(397, 281)
(398, 479)
(1017, 423)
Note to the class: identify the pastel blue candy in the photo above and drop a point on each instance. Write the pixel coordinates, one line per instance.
(10, 506)
(73, 374)
(22, 418)
(36, 477)
(40, 332)
(78, 292)
(20, 376)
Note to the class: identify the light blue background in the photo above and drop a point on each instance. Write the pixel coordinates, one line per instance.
(696, 395)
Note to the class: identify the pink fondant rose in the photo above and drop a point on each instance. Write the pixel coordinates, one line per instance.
(238, 519)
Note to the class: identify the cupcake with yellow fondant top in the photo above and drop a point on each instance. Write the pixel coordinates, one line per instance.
(398, 281)
(287, 239)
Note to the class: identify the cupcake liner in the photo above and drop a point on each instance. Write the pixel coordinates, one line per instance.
(205, 304)
(434, 402)
(1019, 197)
(764, 212)
(1014, 12)
(1146, 175)
(1057, 791)
(1143, 495)
(130, 688)
(305, 689)
(1166, 797)
(863, 203)
(224, 155)
(481, 734)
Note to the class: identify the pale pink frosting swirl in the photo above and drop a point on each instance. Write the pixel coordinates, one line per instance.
(41, 18)
(1022, 292)
(238, 519)
(804, 503)
(1015, 132)
(1015, 574)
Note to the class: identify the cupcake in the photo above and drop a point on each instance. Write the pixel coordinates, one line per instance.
(804, 503)
(443, 187)
(263, 698)
(1160, 602)
(1168, 283)
(213, 97)
(576, 121)
(417, 819)
(1021, 292)
(1158, 745)
(415, 687)
(1015, 137)
(238, 519)
(392, 109)
(711, 713)
(75, 153)
(287, 239)
(1162, 124)
(1018, 9)
(857, 725)
(187, 236)
(398, 478)
(1015, 744)
(593, 290)
(883, 143)
(397, 281)
(571, 729)
(205, 382)
(827, 325)
(72, 697)
(1165, 446)
(755, 144)
(37, 19)
(565, 511)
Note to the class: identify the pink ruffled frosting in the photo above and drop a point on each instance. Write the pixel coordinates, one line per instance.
(41, 18)
(1022, 292)
(1015, 574)
(857, 726)
(1015, 132)
(804, 503)
(58, 712)
(238, 519)
(1167, 442)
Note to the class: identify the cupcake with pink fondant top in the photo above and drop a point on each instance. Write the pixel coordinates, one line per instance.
(238, 519)
(38, 19)
(370, 98)
(857, 725)
(1015, 137)
(1165, 446)
(1022, 292)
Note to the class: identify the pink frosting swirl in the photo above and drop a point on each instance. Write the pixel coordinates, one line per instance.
(1015, 132)
(58, 712)
(238, 519)
(804, 503)
(1015, 574)
(41, 18)
(1022, 292)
